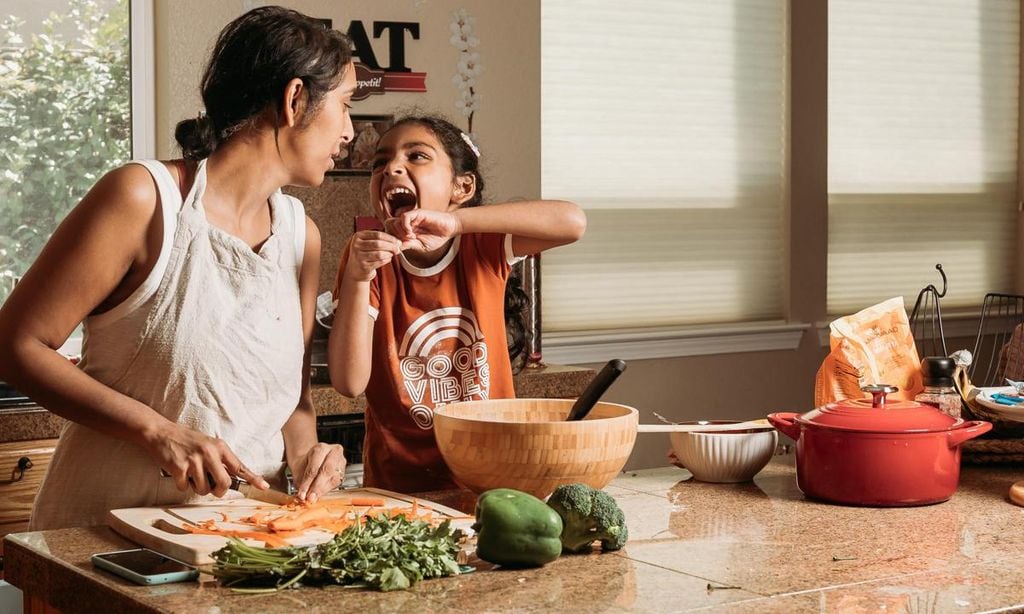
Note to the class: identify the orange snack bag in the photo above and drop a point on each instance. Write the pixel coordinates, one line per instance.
(872, 346)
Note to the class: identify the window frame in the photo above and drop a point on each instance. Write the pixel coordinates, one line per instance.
(141, 42)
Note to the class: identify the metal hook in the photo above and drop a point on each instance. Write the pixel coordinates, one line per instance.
(927, 305)
(943, 274)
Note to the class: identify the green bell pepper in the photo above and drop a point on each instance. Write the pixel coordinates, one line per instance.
(516, 529)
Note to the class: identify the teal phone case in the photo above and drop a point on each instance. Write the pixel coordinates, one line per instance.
(138, 578)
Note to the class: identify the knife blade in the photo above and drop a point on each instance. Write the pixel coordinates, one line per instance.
(267, 496)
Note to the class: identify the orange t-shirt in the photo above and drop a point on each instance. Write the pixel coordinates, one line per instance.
(438, 337)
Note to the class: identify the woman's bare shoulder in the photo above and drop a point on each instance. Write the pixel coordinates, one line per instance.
(128, 191)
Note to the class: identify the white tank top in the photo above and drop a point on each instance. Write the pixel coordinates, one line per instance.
(212, 340)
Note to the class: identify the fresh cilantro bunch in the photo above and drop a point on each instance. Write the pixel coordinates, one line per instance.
(381, 553)
(387, 554)
(257, 569)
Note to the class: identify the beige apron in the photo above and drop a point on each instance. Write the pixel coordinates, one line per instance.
(212, 340)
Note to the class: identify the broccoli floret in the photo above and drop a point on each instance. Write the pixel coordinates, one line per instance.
(588, 515)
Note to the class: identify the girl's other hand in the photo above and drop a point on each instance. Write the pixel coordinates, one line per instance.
(371, 249)
(322, 469)
(198, 461)
(423, 229)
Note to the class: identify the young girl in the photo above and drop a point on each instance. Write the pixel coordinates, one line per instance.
(420, 318)
(196, 280)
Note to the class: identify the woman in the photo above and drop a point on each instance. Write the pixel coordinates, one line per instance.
(196, 282)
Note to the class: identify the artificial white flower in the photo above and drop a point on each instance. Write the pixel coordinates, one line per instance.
(464, 42)
(468, 67)
(462, 81)
(465, 109)
(469, 64)
(462, 18)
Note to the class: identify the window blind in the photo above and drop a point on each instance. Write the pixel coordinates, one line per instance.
(922, 150)
(668, 126)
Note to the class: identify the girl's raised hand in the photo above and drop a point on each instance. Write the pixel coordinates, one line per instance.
(423, 229)
(371, 249)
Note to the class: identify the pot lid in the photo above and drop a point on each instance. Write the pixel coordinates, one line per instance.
(877, 415)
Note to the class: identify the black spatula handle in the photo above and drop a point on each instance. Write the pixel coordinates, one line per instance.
(596, 389)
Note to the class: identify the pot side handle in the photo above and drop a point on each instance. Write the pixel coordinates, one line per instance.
(784, 422)
(969, 430)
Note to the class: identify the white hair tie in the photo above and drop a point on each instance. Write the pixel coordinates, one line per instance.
(469, 141)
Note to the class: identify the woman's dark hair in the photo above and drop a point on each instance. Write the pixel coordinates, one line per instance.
(255, 56)
(466, 161)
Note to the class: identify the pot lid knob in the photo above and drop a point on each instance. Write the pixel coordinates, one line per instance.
(878, 392)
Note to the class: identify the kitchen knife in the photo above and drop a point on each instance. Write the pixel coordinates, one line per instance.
(249, 491)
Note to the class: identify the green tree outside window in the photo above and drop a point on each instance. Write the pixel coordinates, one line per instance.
(65, 120)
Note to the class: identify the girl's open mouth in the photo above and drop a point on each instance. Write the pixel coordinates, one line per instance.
(398, 199)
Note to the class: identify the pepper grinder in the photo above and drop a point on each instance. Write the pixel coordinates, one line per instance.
(939, 392)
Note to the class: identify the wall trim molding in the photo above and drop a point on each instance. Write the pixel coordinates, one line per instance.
(955, 325)
(639, 344)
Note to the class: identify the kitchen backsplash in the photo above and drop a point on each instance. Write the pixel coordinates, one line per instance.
(334, 206)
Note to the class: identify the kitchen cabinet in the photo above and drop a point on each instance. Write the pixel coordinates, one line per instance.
(22, 467)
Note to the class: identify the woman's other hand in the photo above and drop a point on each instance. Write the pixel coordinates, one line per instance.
(195, 460)
(423, 229)
(321, 471)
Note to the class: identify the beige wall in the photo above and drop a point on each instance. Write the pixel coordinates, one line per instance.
(507, 123)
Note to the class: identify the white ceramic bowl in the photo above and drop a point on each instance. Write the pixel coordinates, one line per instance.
(730, 456)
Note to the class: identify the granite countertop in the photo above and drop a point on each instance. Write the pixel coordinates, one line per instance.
(545, 382)
(754, 547)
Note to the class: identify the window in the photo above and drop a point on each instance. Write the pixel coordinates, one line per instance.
(922, 154)
(668, 126)
(65, 115)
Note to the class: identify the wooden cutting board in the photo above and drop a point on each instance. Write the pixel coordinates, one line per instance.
(159, 528)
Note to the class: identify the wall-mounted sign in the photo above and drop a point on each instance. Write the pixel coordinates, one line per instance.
(371, 77)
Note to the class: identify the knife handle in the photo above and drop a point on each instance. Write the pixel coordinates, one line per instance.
(236, 481)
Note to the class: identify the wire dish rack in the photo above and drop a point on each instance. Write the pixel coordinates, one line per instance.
(998, 353)
(1001, 314)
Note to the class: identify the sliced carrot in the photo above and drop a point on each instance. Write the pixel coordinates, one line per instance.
(302, 520)
(269, 539)
(335, 505)
(368, 501)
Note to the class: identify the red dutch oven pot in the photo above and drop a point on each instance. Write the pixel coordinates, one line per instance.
(870, 452)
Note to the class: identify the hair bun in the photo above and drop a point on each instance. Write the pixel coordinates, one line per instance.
(197, 137)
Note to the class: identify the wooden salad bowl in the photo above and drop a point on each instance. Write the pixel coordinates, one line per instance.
(528, 445)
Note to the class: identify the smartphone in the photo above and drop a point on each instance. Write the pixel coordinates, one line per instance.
(144, 566)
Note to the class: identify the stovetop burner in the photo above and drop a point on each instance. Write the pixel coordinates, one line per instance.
(9, 397)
